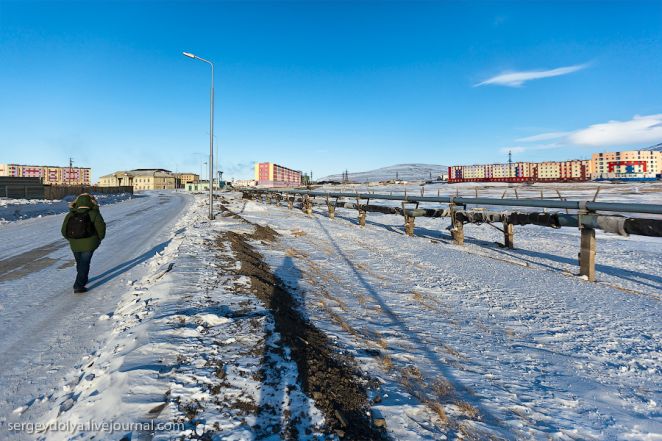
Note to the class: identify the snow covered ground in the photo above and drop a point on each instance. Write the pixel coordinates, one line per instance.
(186, 353)
(478, 341)
(182, 336)
(17, 209)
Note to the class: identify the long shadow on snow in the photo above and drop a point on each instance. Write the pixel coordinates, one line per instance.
(273, 391)
(521, 253)
(107, 276)
(427, 352)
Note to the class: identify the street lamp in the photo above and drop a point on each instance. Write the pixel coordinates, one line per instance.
(211, 134)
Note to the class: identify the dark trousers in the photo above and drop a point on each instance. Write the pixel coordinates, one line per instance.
(83, 259)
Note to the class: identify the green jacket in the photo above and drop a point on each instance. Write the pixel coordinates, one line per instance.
(83, 203)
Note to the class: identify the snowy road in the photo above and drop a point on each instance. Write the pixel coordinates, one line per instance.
(46, 328)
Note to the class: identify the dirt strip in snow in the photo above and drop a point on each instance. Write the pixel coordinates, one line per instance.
(327, 375)
(207, 344)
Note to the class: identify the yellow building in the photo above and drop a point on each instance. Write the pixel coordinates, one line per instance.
(186, 178)
(52, 175)
(627, 165)
(141, 179)
(574, 170)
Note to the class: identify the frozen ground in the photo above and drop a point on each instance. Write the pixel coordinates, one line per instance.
(187, 351)
(479, 341)
(17, 209)
(182, 336)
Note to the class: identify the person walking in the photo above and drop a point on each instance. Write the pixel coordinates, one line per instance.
(84, 228)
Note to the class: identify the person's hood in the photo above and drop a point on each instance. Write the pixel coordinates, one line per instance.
(84, 201)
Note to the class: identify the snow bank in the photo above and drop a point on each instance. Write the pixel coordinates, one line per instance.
(18, 209)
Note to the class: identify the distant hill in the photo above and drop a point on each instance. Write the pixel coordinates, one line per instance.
(405, 172)
(656, 147)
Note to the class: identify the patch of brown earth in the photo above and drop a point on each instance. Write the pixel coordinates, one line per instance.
(328, 376)
(264, 233)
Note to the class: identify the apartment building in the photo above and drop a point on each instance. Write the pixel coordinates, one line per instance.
(50, 174)
(550, 171)
(141, 179)
(630, 165)
(575, 170)
(268, 174)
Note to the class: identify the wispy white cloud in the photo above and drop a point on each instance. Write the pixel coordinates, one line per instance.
(634, 132)
(520, 149)
(543, 137)
(516, 79)
(638, 130)
(514, 149)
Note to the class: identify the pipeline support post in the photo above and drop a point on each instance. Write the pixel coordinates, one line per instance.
(332, 208)
(362, 216)
(508, 235)
(362, 211)
(457, 227)
(290, 202)
(409, 225)
(410, 220)
(587, 254)
(587, 247)
(307, 205)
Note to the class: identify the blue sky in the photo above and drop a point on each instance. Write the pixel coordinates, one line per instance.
(326, 86)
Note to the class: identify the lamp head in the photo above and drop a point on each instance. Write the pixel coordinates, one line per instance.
(188, 54)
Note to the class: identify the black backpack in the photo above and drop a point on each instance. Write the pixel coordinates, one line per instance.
(80, 226)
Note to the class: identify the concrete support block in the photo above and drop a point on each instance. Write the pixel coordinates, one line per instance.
(290, 203)
(587, 254)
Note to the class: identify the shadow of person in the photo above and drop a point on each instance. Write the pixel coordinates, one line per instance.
(284, 409)
(112, 273)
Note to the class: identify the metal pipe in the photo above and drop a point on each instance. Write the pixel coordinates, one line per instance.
(536, 203)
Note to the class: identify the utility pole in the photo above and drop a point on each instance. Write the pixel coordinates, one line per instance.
(71, 164)
(510, 164)
(211, 133)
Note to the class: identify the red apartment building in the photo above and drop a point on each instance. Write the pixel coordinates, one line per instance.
(268, 174)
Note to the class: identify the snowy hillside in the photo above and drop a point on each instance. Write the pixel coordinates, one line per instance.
(656, 147)
(406, 172)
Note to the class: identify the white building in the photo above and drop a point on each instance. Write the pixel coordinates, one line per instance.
(631, 165)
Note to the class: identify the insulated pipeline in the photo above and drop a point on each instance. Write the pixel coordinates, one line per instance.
(458, 200)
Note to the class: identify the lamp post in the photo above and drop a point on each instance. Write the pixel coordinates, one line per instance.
(211, 134)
